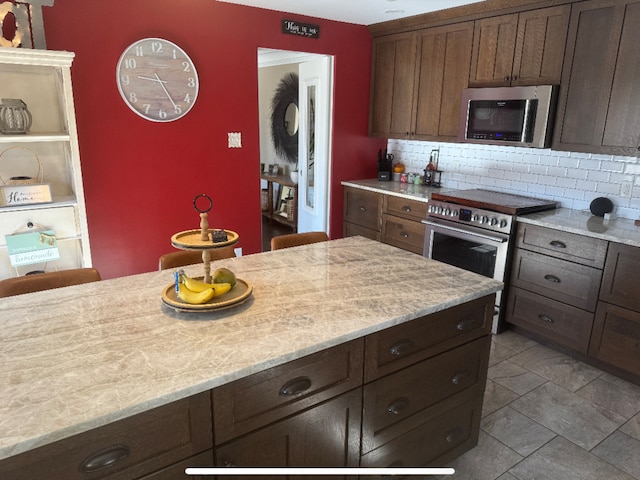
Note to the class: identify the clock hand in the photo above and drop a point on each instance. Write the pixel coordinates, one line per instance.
(152, 79)
(162, 82)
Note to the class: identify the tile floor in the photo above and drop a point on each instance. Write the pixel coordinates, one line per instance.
(549, 417)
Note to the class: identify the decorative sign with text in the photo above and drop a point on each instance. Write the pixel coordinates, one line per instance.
(32, 247)
(11, 195)
(302, 29)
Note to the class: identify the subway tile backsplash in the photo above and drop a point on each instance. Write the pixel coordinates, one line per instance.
(571, 178)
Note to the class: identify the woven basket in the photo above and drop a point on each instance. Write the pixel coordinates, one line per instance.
(23, 179)
(264, 199)
(291, 208)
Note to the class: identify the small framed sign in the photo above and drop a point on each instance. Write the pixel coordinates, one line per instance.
(302, 29)
(32, 247)
(11, 195)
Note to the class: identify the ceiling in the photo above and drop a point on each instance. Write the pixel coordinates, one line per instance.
(361, 12)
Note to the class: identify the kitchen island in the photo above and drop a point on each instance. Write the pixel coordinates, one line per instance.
(80, 358)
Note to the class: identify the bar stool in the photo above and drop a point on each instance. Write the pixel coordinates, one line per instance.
(47, 281)
(189, 257)
(296, 239)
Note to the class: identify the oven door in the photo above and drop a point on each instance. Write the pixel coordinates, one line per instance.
(470, 248)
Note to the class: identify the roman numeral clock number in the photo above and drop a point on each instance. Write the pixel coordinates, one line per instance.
(157, 80)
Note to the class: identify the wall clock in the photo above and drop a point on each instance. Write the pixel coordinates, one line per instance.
(157, 80)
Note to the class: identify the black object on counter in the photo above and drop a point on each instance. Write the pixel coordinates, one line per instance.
(385, 166)
(601, 205)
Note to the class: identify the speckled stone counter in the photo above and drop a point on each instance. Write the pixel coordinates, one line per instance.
(397, 189)
(620, 230)
(80, 357)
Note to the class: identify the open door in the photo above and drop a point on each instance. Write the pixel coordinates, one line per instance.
(314, 143)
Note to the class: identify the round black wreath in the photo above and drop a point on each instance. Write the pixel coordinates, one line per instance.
(286, 93)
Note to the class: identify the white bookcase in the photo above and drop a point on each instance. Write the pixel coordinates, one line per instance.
(42, 79)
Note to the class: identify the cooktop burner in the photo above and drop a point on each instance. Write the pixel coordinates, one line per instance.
(496, 201)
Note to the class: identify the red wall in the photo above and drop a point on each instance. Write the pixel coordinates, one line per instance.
(140, 177)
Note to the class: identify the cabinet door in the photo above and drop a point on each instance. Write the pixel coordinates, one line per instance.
(392, 77)
(494, 41)
(363, 208)
(616, 338)
(444, 62)
(541, 39)
(599, 106)
(327, 435)
(620, 283)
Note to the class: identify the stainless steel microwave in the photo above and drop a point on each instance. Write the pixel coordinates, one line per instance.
(517, 116)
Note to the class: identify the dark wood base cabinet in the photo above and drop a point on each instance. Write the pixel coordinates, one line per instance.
(408, 395)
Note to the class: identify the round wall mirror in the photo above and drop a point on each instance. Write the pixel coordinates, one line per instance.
(291, 119)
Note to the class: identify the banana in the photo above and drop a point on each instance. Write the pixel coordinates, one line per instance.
(198, 286)
(192, 297)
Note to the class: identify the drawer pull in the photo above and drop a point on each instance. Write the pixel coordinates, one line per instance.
(466, 324)
(558, 244)
(460, 377)
(401, 347)
(362, 209)
(551, 278)
(404, 234)
(398, 405)
(104, 458)
(453, 435)
(295, 386)
(545, 318)
(406, 208)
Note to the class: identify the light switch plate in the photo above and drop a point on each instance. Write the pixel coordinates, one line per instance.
(235, 140)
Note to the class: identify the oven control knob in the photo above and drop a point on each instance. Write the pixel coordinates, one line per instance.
(484, 219)
(475, 218)
(454, 213)
(503, 223)
(447, 212)
(439, 210)
(493, 221)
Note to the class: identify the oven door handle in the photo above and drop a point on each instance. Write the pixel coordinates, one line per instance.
(465, 232)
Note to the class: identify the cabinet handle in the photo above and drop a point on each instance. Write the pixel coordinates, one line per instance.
(399, 404)
(404, 234)
(362, 209)
(229, 463)
(452, 435)
(460, 376)
(506, 79)
(551, 278)
(401, 347)
(466, 324)
(406, 208)
(295, 386)
(104, 458)
(545, 318)
(557, 244)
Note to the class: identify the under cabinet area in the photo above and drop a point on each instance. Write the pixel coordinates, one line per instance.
(48, 154)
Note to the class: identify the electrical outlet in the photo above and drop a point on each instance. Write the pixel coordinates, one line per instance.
(238, 251)
(235, 140)
(625, 189)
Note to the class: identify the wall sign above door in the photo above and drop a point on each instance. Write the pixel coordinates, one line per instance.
(302, 29)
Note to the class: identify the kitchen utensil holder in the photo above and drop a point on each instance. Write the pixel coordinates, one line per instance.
(24, 179)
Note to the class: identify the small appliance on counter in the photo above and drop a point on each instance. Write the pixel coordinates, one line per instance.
(385, 168)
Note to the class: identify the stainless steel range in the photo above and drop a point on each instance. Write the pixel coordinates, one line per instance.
(475, 230)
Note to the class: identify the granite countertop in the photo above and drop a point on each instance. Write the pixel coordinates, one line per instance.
(397, 189)
(582, 222)
(80, 357)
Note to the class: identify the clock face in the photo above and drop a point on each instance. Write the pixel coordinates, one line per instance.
(157, 80)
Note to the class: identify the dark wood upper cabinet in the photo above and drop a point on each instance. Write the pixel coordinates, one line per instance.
(599, 105)
(417, 79)
(520, 49)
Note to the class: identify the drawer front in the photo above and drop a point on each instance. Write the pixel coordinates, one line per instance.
(394, 404)
(568, 246)
(176, 471)
(409, 343)
(620, 283)
(616, 338)
(403, 233)
(567, 282)
(62, 220)
(556, 321)
(403, 207)
(352, 230)
(433, 443)
(363, 208)
(255, 401)
(153, 440)
(327, 435)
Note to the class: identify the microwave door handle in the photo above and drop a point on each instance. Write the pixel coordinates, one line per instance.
(526, 121)
(466, 232)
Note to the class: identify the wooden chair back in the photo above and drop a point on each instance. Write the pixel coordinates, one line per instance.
(46, 281)
(295, 239)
